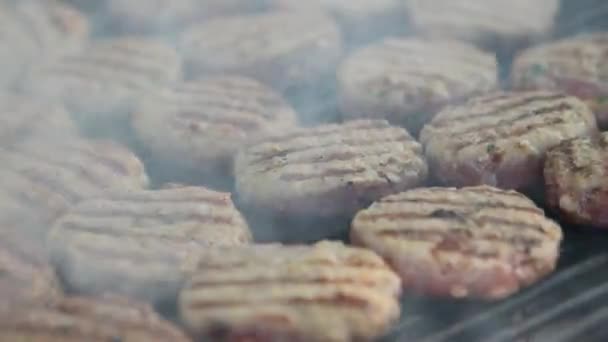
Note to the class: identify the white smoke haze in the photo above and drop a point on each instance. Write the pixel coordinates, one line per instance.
(297, 58)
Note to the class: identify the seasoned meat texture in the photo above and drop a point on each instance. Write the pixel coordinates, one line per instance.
(134, 243)
(501, 139)
(40, 181)
(407, 80)
(477, 242)
(575, 180)
(329, 170)
(26, 277)
(78, 319)
(23, 119)
(489, 23)
(576, 65)
(361, 20)
(324, 292)
(205, 123)
(101, 84)
(283, 49)
(160, 16)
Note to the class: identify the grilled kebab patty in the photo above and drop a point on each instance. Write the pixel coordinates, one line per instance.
(577, 65)
(79, 319)
(500, 139)
(281, 48)
(329, 170)
(206, 122)
(478, 242)
(575, 180)
(134, 243)
(324, 292)
(407, 80)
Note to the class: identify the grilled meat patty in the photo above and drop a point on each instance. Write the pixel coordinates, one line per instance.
(134, 242)
(324, 292)
(281, 48)
(328, 170)
(407, 80)
(41, 180)
(78, 319)
(206, 122)
(500, 139)
(489, 23)
(477, 242)
(577, 65)
(100, 85)
(575, 180)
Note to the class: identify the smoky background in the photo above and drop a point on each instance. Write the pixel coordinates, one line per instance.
(316, 103)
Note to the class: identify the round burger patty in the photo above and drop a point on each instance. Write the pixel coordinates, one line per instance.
(134, 242)
(102, 83)
(329, 170)
(206, 122)
(575, 180)
(484, 22)
(478, 242)
(324, 292)
(407, 80)
(25, 276)
(42, 180)
(500, 139)
(283, 48)
(78, 319)
(577, 65)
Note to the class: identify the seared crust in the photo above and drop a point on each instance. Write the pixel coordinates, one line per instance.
(575, 180)
(325, 292)
(106, 79)
(407, 80)
(107, 319)
(204, 123)
(25, 275)
(283, 49)
(43, 180)
(576, 65)
(483, 21)
(134, 243)
(501, 139)
(478, 242)
(329, 170)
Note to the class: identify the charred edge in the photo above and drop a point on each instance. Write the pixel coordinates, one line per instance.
(470, 204)
(244, 123)
(339, 300)
(514, 134)
(500, 109)
(262, 157)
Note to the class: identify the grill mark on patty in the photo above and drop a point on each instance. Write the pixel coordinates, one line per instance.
(219, 201)
(458, 146)
(466, 204)
(135, 51)
(200, 284)
(511, 121)
(243, 122)
(121, 67)
(216, 105)
(116, 159)
(51, 184)
(498, 110)
(94, 76)
(134, 216)
(361, 264)
(327, 173)
(338, 300)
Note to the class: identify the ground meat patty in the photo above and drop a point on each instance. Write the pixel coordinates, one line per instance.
(501, 139)
(40, 181)
(489, 23)
(106, 319)
(478, 242)
(325, 292)
(284, 49)
(204, 123)
(407, 80)
(328, 170)
(100, 85)
(134, 243)
(575, 180)
(26, 277)
(576, 65)
(361, 20)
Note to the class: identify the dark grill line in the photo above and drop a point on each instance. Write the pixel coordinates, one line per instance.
(339, 300)
(330, 172)
(508, 106)
(52, 185)
(119, 233)
(195, 200)
(334, 130)
(244, 122)
(129, 215)
(107, 160)
(215, 105)
(199, 284)
(131, 52)
(92, 75)
(478, 206)
(463, 235)
(122, 67)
